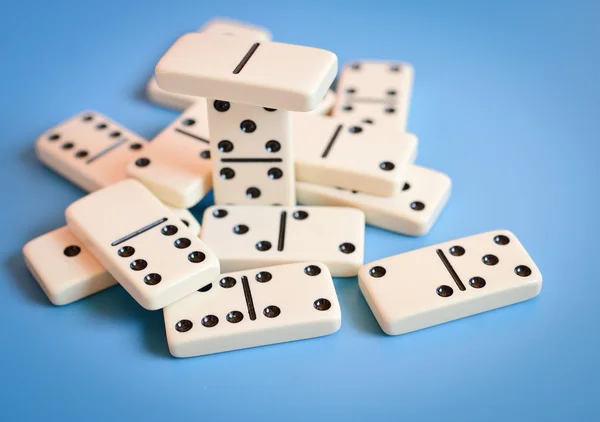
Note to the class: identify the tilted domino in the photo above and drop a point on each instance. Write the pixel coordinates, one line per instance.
(89, 150)
(245, 237)
(176, 164)
(251, 145)
(413, 211)
(374, 92)
(254, 308)
(452, 280)
(145, 247)
(65, 269)
(367, 158)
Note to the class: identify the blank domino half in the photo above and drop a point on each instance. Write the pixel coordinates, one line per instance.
(376, 92)
(413, 211)
(254, 308)
(176, 164)
(146, 248)
(363, 157)
(245, 237)
(452, 280)
(215, 26)
(89, 150)
(65, 269)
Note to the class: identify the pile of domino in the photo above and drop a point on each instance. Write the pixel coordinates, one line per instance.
(259, 270)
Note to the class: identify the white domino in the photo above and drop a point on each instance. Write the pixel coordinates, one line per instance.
(217, 26)
(254, 308)
(146, 248)
(250, 127)
(413, 211)
(238, 70)
(89, 150)
(252, 166)
(176, 165)
(326, 105)
(368, 158)
(375, 91)
(452, 280)
(246, 237)
(65, 269)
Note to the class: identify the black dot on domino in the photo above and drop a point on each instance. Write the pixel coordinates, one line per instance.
(406, 187)
(368, 121)
(490, 260)
(322, 304)
(248, 126)
(209, 321)
(184, 325)
(81, 154)
(54, 137)
(395, 68)
(205, 288)
(221, 106)
(477, 282)
(523, 271)
(135, 146)
(355, 66)
(169, 230)
(225, 146)
(142, 162)
(252, 193)
(263, 245)
(391, 92)
(126, 251)
(220, 213)
(347, 248)
(241, 229)
(272, 146)
(188, 122)
(87, 118)
(205, 154)
(355, 129)
(457, 251)
(350, 90)
(312, 270)
(234, 317)
(101, 126)
(347, 108)
(196, 257)
(227, 282)
(272, 311)
(67, 145)
(138, 265)
(300, 215)
(275, 173)
(152, 279)
(390, 110)
(417, 206)
(377, 272)
(227, 173)
(501, 240)
(72, 251)
(387, 166)
(263, 277)
(270, 109)
(114, 134)
(182, 243)
(444, 291)
(187, 224)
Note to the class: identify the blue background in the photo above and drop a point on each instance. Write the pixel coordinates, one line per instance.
(506, 101)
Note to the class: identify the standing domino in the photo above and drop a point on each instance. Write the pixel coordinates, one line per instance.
(250, 85)
(245, 237)
(370, 159)
(254, 308)
(214, 26)
(150, 252)
(452, 280)
(64, 268)
(375, 92)
(89, 150)
(413, 211)
(176, 165)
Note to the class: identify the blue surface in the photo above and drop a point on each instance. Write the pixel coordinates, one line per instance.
(505, 102)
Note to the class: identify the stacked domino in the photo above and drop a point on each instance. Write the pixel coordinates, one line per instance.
(259, 270)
